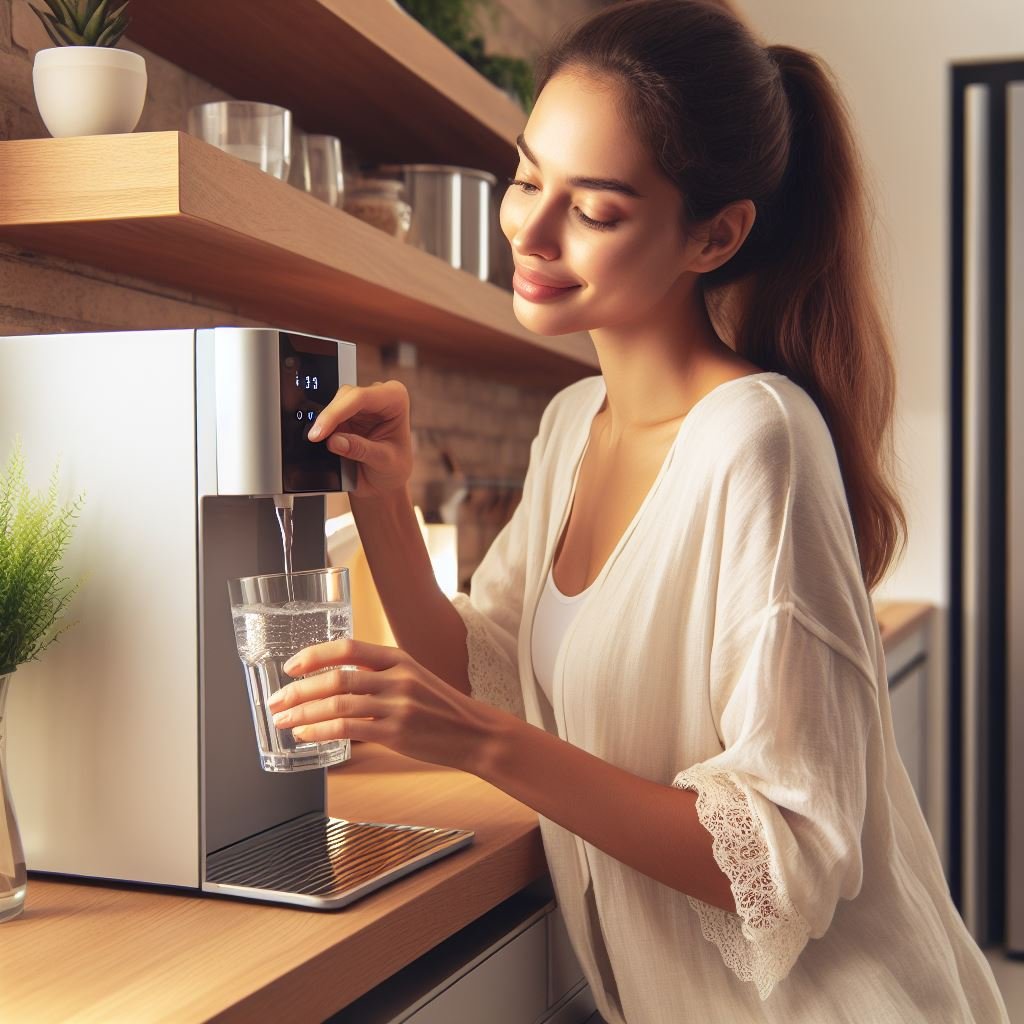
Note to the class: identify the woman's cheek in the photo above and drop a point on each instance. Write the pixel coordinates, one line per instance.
(508, 216)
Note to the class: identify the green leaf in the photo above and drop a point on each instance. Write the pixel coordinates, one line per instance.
(52, 4)
(34, 531)
(113, 32)
(114, 15)
(96, 23)
(48, 23)
(70, 36)
(90, 6)
(68, 16)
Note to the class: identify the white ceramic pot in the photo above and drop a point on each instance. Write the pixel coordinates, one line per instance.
(89, 90)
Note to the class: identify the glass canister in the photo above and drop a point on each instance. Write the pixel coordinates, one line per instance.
(380, 202)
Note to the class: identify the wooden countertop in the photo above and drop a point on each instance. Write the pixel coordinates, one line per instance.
(898, 619)
(104, 952)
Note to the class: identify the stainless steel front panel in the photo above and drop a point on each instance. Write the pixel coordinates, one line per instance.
(238, 389)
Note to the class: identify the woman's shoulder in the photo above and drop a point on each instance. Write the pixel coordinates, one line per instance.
(766, 418)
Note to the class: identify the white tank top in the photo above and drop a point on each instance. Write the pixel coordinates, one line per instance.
(555, 612)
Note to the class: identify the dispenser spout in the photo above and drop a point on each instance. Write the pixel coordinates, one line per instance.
(284, 505)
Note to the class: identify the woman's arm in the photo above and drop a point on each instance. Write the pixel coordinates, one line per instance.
(395, 700)
(370, 426)
(422, 619)
(651, 827)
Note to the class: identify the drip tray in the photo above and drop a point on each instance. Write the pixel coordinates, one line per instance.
(326, 863)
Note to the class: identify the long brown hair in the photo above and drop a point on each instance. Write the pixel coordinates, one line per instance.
(728, 119)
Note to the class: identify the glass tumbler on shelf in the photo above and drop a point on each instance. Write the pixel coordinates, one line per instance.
(259, 133)
(298, 170)
(326, 175)
(380, 202)
(276, 616)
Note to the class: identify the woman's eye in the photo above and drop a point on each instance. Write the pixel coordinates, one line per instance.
(601, 225)
(598, 225)
(522, 185)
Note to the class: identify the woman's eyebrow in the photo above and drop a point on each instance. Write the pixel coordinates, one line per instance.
(595, 184)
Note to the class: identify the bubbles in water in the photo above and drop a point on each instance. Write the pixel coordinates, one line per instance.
(263, 632)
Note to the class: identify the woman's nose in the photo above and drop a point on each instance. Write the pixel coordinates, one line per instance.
(536, 234)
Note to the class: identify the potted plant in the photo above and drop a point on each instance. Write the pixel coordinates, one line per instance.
(83, 85)
(34, 531)
(453, 22)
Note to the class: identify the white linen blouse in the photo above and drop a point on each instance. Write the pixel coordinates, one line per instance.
(729, 646)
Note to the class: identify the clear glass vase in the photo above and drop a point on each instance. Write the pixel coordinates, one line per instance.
(13, 879)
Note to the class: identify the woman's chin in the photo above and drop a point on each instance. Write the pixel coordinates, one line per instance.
(548, 321)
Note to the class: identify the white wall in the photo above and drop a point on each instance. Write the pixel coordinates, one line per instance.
(892, 59)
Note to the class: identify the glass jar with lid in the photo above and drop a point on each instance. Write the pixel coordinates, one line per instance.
(380, 202)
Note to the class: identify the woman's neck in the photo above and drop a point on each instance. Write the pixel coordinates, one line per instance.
(656, 372)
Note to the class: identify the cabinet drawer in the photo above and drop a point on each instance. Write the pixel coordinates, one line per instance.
(509, 987)
(564, 971)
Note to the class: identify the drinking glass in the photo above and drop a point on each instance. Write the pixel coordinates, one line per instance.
(275, 616)
(298, 171)
(259, 133)
(326, 175)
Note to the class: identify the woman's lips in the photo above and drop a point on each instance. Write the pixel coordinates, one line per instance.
(538, 292)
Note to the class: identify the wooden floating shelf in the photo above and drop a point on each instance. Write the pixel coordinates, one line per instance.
(364, 70)
(167, 207)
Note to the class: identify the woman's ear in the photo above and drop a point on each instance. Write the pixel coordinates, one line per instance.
(722, 236)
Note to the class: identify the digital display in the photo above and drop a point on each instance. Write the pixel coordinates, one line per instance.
(309, 380)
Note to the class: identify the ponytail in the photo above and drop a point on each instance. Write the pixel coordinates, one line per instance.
(727, 119)
(811, 307)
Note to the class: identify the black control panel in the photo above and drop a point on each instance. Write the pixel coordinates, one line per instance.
(309, 380)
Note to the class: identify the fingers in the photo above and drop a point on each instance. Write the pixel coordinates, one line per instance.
(329, 709)
(386, 399)
(344, 652)
(354, 446)
(340, 729)
(325, 685)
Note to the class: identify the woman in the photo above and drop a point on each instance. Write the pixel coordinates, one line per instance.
(669, 651)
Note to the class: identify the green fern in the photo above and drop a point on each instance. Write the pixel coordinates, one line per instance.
(34, 531)
(83, 22)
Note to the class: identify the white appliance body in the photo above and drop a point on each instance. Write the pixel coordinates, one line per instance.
(131, 754)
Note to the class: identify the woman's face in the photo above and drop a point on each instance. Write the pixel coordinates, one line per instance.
(620, 253)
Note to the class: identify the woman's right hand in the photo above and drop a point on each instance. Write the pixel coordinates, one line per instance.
(371, 427)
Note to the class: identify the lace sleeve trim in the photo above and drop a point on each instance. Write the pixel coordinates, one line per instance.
(492, 679)
(761, 941)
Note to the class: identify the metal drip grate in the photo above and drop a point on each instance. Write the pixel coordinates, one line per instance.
(324, 862)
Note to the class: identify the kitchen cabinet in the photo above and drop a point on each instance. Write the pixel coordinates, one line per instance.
(906, 635)
(513, 966)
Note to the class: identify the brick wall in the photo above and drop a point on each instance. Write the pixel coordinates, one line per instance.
(483, 425)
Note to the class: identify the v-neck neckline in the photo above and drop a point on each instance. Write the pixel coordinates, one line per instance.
(601, 393)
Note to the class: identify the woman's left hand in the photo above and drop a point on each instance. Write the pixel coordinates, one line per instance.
(390, 698)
